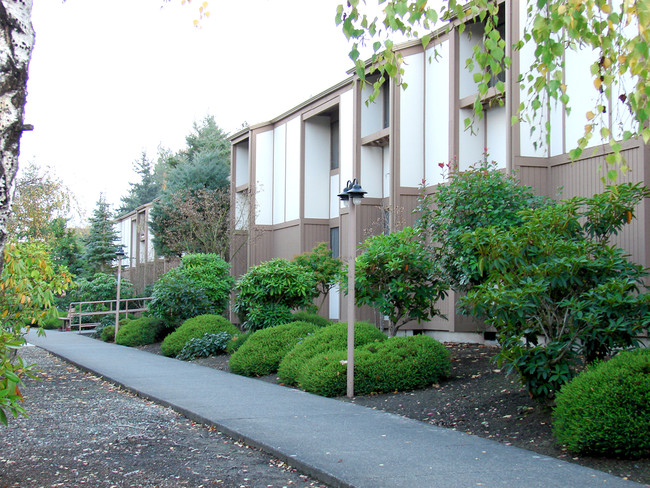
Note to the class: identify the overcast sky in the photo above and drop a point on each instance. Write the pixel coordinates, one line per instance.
(111, 78)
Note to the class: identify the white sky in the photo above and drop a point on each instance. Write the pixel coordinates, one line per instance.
(110, 78)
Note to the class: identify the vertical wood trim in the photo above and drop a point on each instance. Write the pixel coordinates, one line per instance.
(454, 107)
(511, 24)
(303, 183)
(395, 144)
(514, 94)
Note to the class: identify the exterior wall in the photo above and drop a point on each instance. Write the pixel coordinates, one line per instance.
(295, 203)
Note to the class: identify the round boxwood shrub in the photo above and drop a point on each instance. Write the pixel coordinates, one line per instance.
(195, 327)
(237, 341)
(107, 333)
(397, 364)
(330, 338)
(314, 318)
(263, 351)
(605, 410)
(140, 332)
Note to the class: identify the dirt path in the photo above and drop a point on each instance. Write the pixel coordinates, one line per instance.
(85, 432)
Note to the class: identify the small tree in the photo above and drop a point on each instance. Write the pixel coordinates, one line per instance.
(29, 283)
(557, 293)
(397, 274)
(326, 268)
(101, 240)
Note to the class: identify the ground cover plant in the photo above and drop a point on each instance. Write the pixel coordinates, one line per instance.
(140, 331)
(330, 338)
(397, 364)
(268, 292)
(205, 346)
(263, 351)
(605, 410)
(194, 328)
(555, 276)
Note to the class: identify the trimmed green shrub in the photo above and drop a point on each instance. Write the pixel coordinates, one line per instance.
(330, 338)
(202, 347)
(325, 374)
(397, 364)
(237, 341)
(267, 315)
(262, 353)
(140, 332)
(314, 318)
(195, 327)
(605, 410)
(107, 333)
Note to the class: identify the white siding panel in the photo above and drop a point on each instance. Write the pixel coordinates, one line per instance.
(372, 168)
(241, 161)
(346, 132)
(581, 95)
(497, 126)
(472, 35)
(317, 167)
(264, 180)
(372, 114)
(437, 114)
(471, 146)
(150, 248)
(387, 170)
(412, 122)
(242, 209)
(279, 173)
(293, 175)
(334, 199)
(335, 303)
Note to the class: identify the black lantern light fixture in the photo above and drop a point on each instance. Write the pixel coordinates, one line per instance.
(352, 192)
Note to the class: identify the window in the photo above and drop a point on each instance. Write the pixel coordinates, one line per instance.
(334, 242)
(334, 145)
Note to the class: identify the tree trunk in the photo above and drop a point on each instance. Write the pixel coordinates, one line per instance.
(16, 44)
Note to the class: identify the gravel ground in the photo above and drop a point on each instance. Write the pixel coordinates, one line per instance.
(85, 432)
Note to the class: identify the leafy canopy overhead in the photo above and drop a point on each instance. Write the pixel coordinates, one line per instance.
(615, 32)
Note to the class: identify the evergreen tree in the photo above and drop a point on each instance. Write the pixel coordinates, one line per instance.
(101, 241)
(144, 191)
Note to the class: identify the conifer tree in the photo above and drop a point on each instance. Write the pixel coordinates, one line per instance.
(101, 240)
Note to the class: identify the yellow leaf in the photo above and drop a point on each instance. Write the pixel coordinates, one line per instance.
(607, 62)
(4, 313)
(561, 9)
(563, 88)
(597, 83)
(590, 115)
(605, 8)
(196, 22)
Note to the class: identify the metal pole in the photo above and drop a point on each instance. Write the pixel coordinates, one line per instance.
(117, 298)
(352, 237)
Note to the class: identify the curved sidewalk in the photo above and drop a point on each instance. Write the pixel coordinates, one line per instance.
(340, 443)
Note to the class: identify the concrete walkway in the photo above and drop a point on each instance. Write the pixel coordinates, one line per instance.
(340, 443)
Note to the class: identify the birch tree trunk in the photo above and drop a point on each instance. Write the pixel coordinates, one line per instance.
(16, 44)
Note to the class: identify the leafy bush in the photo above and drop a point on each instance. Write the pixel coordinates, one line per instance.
(555, 276)
(274, 285)
(177, 297)
(397, 364)
(106, 322)
(213, 274)
(605, 410)
(326, 268)
(398, 275)
(267, 315)
(140, 332)
(237, 341)
(330, 338)
(202, 347)
(51, 322)
(480, 197)
(200, 285)
(304, 316)
(102, 286)
(195, 327)
(262, 353)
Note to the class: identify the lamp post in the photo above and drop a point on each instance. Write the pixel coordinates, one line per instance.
(351, 196)
(119, 254)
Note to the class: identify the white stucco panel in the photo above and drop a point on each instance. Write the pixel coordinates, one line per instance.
(293, 174)
(317, 167)
(471, 142)
(372, 169)
(334, 199)
(496, 128)
(279, 172)
(264, 178)
(437, 113)
(411, 118)
(372, 114)
(241, 163)
(346, 131)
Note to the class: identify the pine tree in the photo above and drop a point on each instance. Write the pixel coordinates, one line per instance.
(101, 241)
(144, 191)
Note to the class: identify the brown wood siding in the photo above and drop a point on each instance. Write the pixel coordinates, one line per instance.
(145, 274)
(583, 178)
(239, 262)
(535, 177)
(286, 242)
(315, 233)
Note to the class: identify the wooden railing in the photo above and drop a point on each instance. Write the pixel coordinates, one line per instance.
(78, 311)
